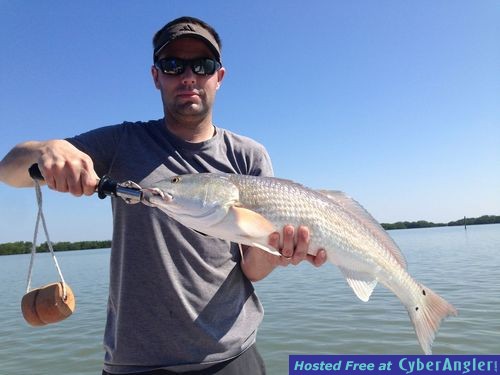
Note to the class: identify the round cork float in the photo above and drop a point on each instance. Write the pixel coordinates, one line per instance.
(47, 305)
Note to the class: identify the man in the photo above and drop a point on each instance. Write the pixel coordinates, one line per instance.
(179, 301)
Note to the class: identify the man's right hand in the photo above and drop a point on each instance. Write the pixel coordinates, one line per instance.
(63, 166)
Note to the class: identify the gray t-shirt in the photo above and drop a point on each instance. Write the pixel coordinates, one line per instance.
(176, 297)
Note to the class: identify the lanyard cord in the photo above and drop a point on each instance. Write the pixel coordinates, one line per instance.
(41, 217)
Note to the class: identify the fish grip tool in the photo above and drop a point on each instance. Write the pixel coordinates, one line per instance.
(129, 191)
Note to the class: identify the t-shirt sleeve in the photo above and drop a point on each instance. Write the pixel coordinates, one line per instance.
(250, 156)
(261, 165)
(100, 144)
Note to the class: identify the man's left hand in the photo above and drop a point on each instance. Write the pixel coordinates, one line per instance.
(294, 248)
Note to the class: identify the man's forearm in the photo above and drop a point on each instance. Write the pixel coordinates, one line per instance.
(14, 166)
(64, 167)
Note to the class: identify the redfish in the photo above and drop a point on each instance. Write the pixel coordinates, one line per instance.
(247, 209)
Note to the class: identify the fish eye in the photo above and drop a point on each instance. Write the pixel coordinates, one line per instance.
(175, 179)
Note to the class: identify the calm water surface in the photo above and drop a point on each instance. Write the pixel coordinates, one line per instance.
(307, 310)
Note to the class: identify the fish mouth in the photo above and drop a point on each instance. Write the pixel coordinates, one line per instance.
(154, 196)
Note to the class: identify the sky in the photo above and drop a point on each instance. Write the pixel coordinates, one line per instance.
(396, 103)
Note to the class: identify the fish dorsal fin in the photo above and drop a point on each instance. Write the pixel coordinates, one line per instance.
(246, 227)
(358, 211)
(361, 283)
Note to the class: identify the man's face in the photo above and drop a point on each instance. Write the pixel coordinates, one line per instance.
(187, 96)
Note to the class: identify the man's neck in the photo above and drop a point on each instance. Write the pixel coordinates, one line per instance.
(191, 132)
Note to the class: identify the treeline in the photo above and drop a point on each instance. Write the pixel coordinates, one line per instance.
(486, 219)
(23, 247)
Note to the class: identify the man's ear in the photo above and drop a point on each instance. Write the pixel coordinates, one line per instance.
(220, 76)
(154, 73)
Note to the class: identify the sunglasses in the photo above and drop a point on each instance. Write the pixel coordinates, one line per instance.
(174, 66)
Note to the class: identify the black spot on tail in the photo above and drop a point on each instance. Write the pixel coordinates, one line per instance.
(416, 308)
(423, 292)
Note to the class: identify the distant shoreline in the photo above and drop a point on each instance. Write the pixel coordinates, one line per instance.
(485, 219)
(24, 247)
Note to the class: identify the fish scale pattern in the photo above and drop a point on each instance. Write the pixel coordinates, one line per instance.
(285, 202)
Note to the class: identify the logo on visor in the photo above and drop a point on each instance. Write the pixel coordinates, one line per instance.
(187, 28)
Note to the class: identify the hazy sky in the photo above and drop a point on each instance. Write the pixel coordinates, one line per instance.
(397, 103)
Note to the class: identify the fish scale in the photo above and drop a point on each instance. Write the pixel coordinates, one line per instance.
(247, 209)
(284, 202)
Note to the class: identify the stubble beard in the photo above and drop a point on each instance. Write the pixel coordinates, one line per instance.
(187, 112)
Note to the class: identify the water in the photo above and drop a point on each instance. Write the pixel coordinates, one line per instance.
(308, 310)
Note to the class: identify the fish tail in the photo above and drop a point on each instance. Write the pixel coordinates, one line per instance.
(427, 314)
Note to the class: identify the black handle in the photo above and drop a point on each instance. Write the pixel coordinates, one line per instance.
(35, 173)
(106, 186)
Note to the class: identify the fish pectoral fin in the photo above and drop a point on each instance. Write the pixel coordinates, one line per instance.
(361, 283)
(247, 227)
(248, 223)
